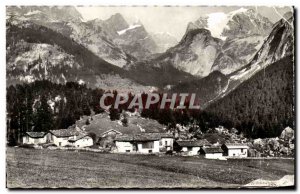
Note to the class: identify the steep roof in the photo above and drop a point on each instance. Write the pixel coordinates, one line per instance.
(142, 137)
(65, 132)
(80, 136)
(193, 143)
(147, 136)
(212, 150)
(166, 135)
(124, 138)
(236, 145)
(36, 134)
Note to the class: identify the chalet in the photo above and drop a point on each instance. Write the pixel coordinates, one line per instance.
(36, 138)
(81, 140)
(147, 142)
(166, 141)
(125, 143)
(235, 150)
(61, 136)
(192, 147)
(72, 136)
(211, 152)
(106, 139)
(144, 142)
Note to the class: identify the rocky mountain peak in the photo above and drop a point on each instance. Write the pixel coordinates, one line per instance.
(164, 40)
(117, 22)
(192, 26)
(195, 53)
(238, 23)
(288, 15)
(245, 23)
(46, 13)
(193, 33)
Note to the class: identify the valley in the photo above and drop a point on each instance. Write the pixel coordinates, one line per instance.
(113, 55)
(150, 97)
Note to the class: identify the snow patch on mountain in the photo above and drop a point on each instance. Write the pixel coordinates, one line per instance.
(241, 10)
(229, 25)
(216, 23)
(129, 28)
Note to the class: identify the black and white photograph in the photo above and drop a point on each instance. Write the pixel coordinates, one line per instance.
(150, 97)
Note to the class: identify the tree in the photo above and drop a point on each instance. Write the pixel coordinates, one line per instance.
(93, 136)
(114, 114)
(87, 122)
(44, 117)
(124, 120)
(86, 108)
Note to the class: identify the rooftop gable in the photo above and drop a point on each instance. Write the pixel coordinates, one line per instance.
(143, 137)
(36, 134)
(193, 143)
(211, 150)
(236, 145)
(71, 131)
(80, 136)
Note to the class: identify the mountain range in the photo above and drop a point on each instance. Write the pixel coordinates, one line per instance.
(217, 59)
(278, 45)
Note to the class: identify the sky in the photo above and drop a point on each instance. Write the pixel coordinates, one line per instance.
(173, 20)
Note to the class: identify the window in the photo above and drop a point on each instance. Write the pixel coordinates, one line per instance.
(150, 151)
(148, 145)
(190, 148)
(59, 143)
(27, 138)
(127, 150)
(166, 143)
(242, 150)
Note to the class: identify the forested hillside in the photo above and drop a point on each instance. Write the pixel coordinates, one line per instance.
(42, 106)
(260, 107)
(263, 105)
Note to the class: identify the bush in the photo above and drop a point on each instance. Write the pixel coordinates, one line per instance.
(29, 146)
(48, 145)
(93, 136)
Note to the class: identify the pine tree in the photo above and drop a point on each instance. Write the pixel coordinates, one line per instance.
(87, 122)
(44, 116)
(86, 108)
(114, 114)
(124, 120)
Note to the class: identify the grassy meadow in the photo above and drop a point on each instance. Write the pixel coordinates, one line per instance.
(31, 168)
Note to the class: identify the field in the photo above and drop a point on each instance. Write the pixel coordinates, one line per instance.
(30, 168)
